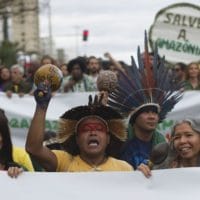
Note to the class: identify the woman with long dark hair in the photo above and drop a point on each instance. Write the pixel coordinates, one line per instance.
(6, 158)
(5, 77)
(192, 80)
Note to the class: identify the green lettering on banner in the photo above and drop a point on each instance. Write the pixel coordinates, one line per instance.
(48, 125)
(51, 125)
(24, 123)
(178, 46)
(185, 49)
(197, 51)
(14, 123)
(19, 123)
(198, 25)
(172, 45)
(161, 43)
(55, 125)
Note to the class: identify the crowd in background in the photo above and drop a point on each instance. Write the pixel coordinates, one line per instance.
(80, 75)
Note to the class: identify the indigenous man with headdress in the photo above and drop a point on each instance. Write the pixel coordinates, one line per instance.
(90, 135)
(146, 93)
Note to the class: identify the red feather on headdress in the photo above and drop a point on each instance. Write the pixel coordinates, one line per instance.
(148, 77)
(148, 83)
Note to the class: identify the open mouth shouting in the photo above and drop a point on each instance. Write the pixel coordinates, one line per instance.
(93, 142)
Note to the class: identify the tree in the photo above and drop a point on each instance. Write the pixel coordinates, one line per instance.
(8, 52)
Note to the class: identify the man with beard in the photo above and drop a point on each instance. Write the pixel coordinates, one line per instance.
(90, 135)
(93, 68)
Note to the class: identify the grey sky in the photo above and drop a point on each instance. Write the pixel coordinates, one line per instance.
(116, 26)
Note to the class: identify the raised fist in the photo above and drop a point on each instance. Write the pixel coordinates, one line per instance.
(42, 95)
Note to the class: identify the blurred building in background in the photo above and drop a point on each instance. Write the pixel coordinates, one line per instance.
(19, 24)
(25, 25)
(61, 57)
(45, 48)
(5, 11)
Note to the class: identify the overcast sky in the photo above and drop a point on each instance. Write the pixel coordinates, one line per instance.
(116, 26)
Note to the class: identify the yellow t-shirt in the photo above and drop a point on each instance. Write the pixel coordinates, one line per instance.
(21, 157)
(69, 163)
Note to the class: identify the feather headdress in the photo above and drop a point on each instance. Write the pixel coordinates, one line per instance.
(147, 85)
(71, 119)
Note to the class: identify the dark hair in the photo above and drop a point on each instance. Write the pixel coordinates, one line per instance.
(181, 65)
(146, 108)
(90, 58)
(187, 70)
(77, 61)
(6, 149)
(48, 136)
(152, 53)
(48, 57)
(106, 64)
(1, 69)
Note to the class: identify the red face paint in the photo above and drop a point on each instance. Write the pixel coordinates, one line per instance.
(92, 126)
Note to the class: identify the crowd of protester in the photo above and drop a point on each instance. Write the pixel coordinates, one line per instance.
(90, 126)
(80, 74)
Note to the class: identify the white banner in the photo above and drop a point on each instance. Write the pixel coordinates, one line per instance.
(188, 107)
(175, 184)
(20, 111)
(176, 31)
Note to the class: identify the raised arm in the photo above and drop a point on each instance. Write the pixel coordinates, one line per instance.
(34, 142)
(115, 63)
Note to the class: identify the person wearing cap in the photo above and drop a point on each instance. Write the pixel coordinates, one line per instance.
(90, 135)
(145, 94)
